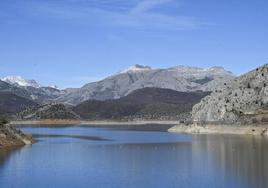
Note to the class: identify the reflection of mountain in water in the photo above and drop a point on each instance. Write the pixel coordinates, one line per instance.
(243, 160)
(6, 154)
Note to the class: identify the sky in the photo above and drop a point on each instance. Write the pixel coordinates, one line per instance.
(73, 42)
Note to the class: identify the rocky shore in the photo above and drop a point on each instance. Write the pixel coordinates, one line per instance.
(239, 107)
(261, 130)
(11, 137)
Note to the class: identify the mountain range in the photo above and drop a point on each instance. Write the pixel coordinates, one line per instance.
(116, 92)
(180, 78)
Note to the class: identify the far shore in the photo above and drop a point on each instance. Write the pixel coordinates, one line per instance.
(85, 122)
(176, 127)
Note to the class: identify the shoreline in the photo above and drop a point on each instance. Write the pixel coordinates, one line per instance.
(260, 130)
(85, 122)
(176, 127)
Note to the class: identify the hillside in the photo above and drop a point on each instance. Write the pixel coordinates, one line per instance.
(146, 103)
(242, 101)
(6, 87)
(48, 111)
(10, 104)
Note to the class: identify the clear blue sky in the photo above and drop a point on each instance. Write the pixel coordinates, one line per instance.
(71, 42)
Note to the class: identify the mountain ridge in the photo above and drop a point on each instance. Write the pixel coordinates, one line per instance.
(180, 78)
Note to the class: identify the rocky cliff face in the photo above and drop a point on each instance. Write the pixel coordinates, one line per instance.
(243, 100)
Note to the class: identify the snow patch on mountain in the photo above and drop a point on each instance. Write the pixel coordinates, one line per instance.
(54, 87)
(136, 68)
(20, 81)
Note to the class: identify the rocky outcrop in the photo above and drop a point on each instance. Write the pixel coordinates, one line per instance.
(243, 100)
(11, 137)
(220, 129)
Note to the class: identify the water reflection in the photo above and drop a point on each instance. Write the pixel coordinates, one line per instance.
(70, 157)
(4, 154)
(243, 158)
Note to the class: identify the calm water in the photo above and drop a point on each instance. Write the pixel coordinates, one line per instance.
(111, 158)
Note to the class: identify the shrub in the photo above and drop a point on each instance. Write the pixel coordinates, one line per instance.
(3, 121)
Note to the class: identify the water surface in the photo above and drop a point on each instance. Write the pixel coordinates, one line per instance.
(121, 158)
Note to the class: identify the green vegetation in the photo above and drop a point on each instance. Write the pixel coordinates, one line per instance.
(48, 111)
(147, 103)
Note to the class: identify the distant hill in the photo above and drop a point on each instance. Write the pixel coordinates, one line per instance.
(48, 111)
(146, 103)
(10, 104)
(242, 101)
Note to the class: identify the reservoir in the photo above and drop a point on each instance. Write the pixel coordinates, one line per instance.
(105, 157)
